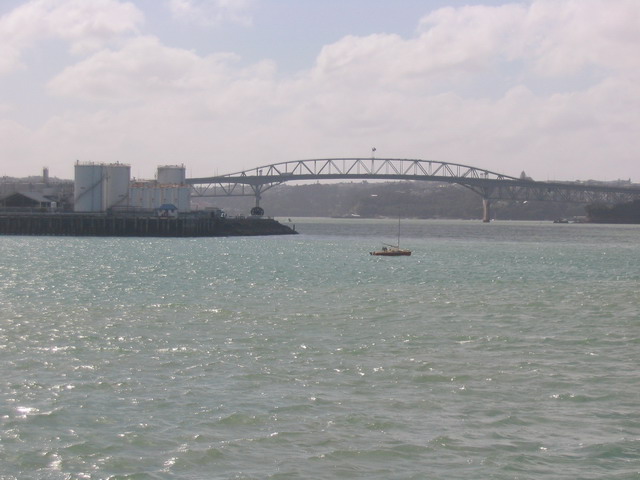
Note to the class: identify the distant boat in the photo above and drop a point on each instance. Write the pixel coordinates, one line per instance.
(392, 250)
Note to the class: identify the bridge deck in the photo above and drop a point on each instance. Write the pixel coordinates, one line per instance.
(488, 184)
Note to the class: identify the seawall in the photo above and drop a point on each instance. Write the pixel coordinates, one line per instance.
(78, 224)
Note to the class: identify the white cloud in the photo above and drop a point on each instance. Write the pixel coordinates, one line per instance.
(469, 37)
(450, 42)
(16, 142)
(144, 71)
(85, 25)
(474, 85)
(141, 68)
(211, 12)
(431, 91)
(9, 58)
(564, 37)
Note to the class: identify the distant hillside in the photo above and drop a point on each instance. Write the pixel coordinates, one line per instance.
(391, 199)
(622, 213)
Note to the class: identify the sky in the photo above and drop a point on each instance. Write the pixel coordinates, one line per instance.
(548, 87)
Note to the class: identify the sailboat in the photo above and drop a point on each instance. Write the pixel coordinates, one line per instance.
(392, 250)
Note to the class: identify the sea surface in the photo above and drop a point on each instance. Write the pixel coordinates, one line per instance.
(507, 350)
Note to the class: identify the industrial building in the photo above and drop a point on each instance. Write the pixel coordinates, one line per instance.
(108, 187)
(41, 193)
(99, 188)
(103, 200)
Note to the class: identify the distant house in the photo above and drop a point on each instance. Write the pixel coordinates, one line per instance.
(26, 200)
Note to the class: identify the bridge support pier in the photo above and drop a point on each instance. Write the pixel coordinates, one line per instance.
(486, 210)
(257, 211)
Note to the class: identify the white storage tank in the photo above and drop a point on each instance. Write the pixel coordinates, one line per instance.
(98, 187)
(116, 191)
(139, 194)
(148, 196)
(184, 199)
(171, 175)
(88, 188)
(178, 196)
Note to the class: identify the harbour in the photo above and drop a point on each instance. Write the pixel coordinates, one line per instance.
(280, 240)
(494, 351)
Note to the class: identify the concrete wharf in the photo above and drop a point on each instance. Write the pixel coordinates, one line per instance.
(123, 225)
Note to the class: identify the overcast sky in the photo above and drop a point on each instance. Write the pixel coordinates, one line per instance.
(551, 87)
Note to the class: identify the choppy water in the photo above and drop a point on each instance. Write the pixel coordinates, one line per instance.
(501, 351)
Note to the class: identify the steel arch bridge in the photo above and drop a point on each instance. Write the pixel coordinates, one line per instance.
(487, 184)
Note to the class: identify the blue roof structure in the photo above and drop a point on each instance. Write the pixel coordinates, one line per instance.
(167, 206)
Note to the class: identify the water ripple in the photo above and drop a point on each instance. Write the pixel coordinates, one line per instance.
(279, 358)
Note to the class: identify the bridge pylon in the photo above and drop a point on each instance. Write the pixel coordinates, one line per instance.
(257, 211)
(486, 210)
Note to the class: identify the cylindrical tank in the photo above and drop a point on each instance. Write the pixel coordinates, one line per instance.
(135, 196)
(184, 199)
(140, 194)
(88, 188)
(116, 191)
(171, 175)
(178, 196)
(149, 196)
(164, 195)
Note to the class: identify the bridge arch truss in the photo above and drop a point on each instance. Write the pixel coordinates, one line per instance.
(487, 184)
